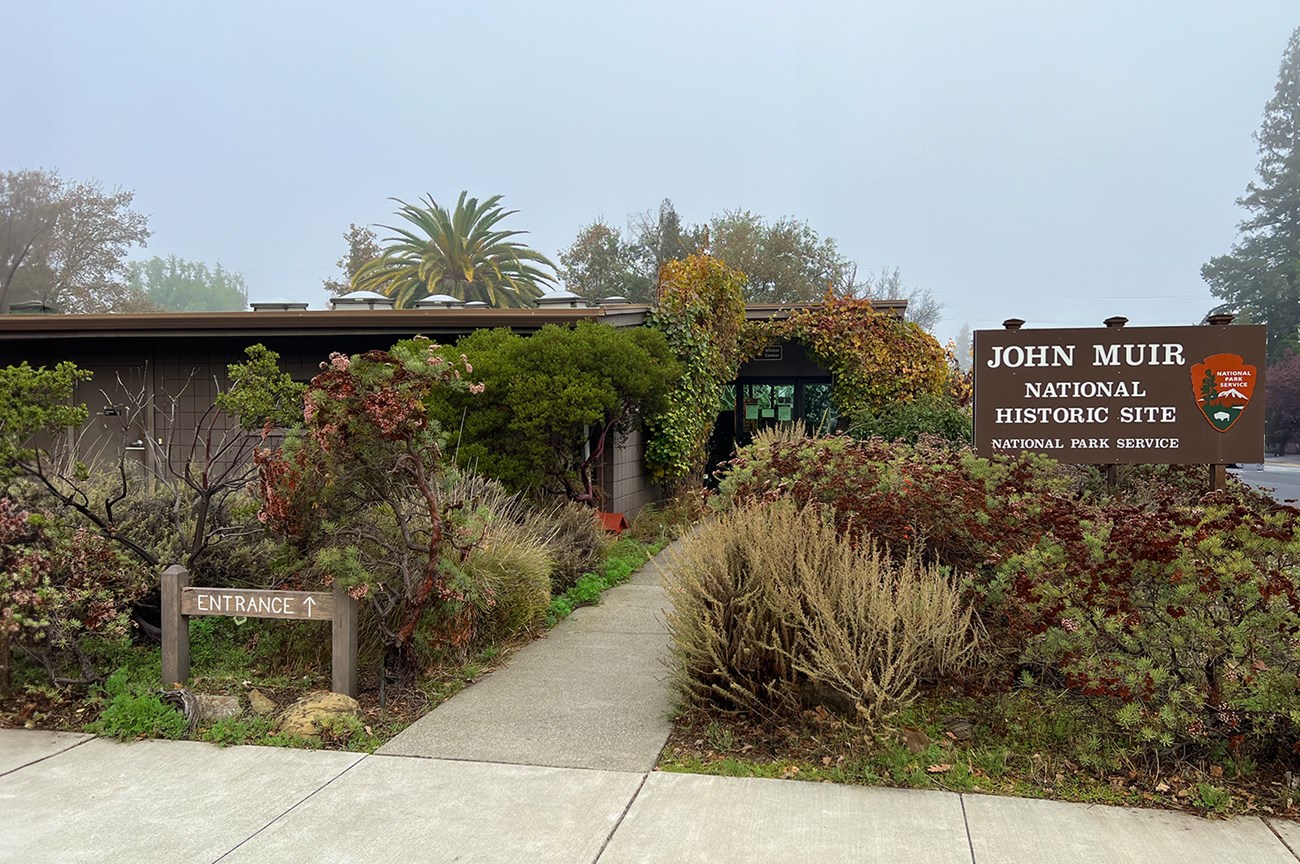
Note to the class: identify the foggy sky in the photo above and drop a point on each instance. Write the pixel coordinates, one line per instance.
(1058, 162)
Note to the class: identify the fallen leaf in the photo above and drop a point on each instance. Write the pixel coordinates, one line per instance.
(938, 769)
(789, 771)
(1162, 786)
(1216, 770)
(826, 760)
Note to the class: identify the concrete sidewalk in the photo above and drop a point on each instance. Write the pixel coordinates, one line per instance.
(74, 799)
(548, 760)
(593, 693)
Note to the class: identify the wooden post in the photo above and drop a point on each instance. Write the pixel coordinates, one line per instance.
(4, 662)
(1218, 477)
(343, 644)
(1112, 478)
(175, 628)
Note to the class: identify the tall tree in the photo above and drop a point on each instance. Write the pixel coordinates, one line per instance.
(1261, 275)
(1283, 392)
(923, 309)
(661, 236)
(363, 247)
(462, 252)
(964, 357)
(601, 263)
(785, 261)
(64, 243)
(177, 285)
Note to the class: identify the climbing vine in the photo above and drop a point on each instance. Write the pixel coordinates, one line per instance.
(877, 360)
(701, 312)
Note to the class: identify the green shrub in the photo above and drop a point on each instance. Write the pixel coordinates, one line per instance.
(774, 608)
(1184, 621)
(928, 414)
(62, 593)
(625, 556)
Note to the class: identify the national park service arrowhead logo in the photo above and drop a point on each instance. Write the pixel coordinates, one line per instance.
(1223, 384)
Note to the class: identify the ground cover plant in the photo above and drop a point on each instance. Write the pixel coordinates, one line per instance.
(1135, 645)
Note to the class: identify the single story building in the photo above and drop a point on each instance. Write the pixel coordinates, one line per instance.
(175, 363)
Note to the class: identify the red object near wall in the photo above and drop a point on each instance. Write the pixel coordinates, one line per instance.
(614, 522)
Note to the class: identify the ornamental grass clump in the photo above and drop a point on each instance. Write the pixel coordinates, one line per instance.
(775, 608)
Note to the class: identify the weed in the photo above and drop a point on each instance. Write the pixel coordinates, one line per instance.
(1212, 799)
(238, 730)
(132, 712)
(720, 736)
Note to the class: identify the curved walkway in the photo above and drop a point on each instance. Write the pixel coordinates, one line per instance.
(591, 694)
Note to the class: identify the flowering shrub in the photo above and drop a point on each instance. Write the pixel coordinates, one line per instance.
(359, 491)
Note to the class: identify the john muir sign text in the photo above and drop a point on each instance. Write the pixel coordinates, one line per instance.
(1122, 395)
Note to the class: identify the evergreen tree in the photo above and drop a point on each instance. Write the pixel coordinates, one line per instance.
(1261, 275)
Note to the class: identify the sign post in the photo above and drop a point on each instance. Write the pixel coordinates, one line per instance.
(1122, 395)
(180, 602)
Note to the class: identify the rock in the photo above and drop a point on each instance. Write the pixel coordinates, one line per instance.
(959, 728)
(307, 716)
(211, 708)
(261, 703)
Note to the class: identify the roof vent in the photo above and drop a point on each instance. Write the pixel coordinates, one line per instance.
(477, 304)
(439, 301)
(616, 300)
(279, 306)
(560, 299)
(32, 307)
(361, 300)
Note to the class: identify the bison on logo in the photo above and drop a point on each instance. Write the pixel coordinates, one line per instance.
(1223, 384)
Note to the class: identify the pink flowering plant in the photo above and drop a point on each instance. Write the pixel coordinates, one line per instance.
(359, 493)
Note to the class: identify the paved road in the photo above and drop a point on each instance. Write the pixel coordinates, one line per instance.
(1283, 479)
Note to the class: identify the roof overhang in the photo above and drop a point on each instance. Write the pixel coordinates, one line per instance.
(396, 322)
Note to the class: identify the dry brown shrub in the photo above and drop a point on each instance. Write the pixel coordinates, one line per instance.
(575, 540)
(773, 606)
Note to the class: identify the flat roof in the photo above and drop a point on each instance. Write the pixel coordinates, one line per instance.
(320, 322)
(306, 322)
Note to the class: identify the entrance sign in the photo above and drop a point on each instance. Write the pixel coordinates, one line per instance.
(1122, 395)
(316, 605)
(180, 601)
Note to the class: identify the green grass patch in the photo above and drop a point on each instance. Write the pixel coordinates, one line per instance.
(623, 559)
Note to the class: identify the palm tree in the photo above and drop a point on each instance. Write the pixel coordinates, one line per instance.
(462, 253)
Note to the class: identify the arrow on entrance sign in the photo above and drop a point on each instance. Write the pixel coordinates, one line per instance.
(309, 603)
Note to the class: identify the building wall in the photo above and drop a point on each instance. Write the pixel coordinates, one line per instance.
(627, 488)
(183, 375)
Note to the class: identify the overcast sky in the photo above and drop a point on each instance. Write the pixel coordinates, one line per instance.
(1058, 162)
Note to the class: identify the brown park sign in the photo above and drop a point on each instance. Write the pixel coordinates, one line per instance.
(234, 602)
(1122, 395)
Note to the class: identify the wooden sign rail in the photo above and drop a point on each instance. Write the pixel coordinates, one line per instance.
(180, 602)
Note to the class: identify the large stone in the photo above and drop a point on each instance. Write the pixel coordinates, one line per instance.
(308, 715)
(260, 703)
(213, 707)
